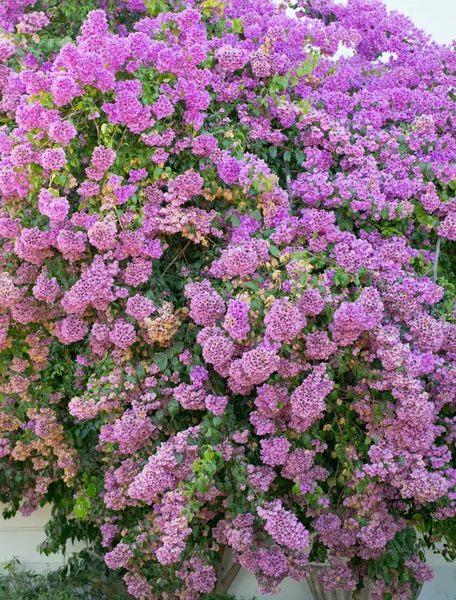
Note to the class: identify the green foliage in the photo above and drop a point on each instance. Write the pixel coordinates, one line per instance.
(83, 578)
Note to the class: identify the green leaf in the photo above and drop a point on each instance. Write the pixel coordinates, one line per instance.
(300, 157)
(161, 360)
(385, 212)
(272, 151)
(360, 487)
(297, 489)
(159, 416)
(274, 251)
(81, 508)
(91, 490)
(237, 26)
(173, 407)
(178, 347)
(342, 278)
(140, 371)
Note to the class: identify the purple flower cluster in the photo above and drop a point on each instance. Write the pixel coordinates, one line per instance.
(223, 295)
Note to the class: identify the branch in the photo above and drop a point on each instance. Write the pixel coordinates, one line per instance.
(121, 139)
(94, 119)
(224, 585)
(436, 260)
(219, 566)
(177, 256)
(288, 178)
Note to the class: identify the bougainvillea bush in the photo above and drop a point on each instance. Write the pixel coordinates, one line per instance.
(225, 321)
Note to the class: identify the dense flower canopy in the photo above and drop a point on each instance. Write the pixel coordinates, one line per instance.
(226, 317)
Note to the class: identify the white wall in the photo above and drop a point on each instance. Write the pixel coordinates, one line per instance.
(437, 17)
(20, 538)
